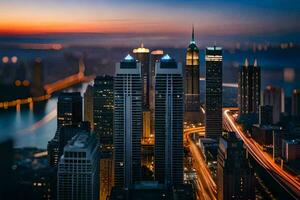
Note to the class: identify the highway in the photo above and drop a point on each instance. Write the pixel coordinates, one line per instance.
(288, 181)
(205, 185)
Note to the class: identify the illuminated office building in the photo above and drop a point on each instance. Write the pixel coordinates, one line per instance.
(249, 88)
(127, 121)
(192, 95)
(235, 176)
(78, 169)
(213, 96)
(168, 148)
(69, 112)
(274, 97)
(103, 100)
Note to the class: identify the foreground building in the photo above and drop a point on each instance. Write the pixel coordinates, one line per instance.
(168, 122)
(127, 122)
(235, 177)
(78, 169)
(213, 97)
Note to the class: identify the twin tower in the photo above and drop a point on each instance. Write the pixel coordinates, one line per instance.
(128, 121)
(153, 96)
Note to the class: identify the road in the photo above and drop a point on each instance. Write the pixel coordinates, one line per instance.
(205, 185)
(288, 181)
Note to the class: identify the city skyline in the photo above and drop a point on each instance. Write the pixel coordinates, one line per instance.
(111, 100)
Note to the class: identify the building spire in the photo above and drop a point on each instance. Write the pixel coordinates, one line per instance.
(246, 64)
(255, 63)
(193, 34)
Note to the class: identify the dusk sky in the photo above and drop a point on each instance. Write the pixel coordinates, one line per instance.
(210, 17)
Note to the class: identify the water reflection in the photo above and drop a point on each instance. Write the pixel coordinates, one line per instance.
(32, 126)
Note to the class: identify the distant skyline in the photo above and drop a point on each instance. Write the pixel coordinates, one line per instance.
(266, 20)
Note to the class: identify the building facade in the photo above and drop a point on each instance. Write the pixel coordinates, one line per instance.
(213, 96)
(235, 177)
(168, 122)
(127, 122)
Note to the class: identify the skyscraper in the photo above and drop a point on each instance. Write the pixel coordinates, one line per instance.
(103, 100)
(78, 169)
(249, 88)
(88, 105)
(213, 96)
(69, 112)
(192, 96)
(235, 176)
(127, 121)
(274, 97)
(168, 122)
(296, 103)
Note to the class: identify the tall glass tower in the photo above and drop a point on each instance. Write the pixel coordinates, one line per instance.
(168, 122)
(213, 96)
(103, 100)
(127, 122)
(192, 97)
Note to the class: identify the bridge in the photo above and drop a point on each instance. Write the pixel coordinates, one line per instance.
(51, 88)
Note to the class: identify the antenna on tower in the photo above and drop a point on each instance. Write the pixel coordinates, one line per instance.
(193, 34)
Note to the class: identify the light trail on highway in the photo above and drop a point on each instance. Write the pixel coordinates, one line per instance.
(286, 180)
(206, 187)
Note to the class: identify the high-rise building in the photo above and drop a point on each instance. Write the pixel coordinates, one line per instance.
(296, 103)
(127, 121)
(274, 97)
(103, 106)
(69, 112)
(265, 115)
(213, 96)
(37, 87)
(192, 90)
(249, 88)
(88, 105)
(168, 122)
(142, 54)
(78, 169)
(235, 176)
